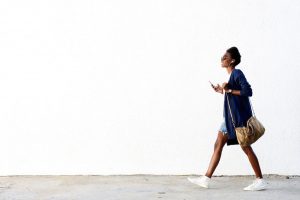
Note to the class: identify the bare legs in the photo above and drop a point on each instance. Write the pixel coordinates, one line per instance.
(253, 160)
(218, 148)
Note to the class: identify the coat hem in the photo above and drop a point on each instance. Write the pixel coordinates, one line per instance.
(232, 142)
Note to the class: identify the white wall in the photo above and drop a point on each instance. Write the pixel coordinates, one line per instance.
(121, 87)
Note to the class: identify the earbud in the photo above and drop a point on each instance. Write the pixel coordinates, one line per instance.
(232, 61)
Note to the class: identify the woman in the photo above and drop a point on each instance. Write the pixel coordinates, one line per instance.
(238, 91)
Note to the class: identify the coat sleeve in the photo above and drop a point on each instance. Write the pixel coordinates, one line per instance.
(241, 80)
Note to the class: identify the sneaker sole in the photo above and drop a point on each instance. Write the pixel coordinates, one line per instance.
(204, 186)
(263, 188)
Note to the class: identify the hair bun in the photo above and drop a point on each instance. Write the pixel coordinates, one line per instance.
(235, 54)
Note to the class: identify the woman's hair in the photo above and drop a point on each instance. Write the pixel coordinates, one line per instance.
(235, 54)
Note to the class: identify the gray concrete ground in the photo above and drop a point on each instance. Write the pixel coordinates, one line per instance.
(142, 187)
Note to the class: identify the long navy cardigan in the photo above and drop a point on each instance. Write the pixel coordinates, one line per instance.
(239, 104)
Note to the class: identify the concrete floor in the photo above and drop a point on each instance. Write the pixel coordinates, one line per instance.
(142, 187)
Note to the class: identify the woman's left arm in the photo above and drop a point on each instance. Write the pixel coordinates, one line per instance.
(235, 92)
(227, 90)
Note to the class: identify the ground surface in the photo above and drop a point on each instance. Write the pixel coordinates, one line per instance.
(142, 187)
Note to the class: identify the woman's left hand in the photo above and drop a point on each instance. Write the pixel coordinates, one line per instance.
(225, 86)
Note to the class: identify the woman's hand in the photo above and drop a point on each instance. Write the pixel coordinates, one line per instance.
(218, 89)
(225, 86)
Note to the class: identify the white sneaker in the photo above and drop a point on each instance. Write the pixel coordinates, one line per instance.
(202, 181)
(258, 184)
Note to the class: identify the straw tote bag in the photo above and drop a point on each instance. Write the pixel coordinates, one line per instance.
(252, 132)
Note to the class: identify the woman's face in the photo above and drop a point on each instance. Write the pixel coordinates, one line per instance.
(226, 60)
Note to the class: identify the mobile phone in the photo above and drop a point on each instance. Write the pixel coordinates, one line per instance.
(212, 85)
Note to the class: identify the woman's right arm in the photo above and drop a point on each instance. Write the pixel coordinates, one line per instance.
(246, 89)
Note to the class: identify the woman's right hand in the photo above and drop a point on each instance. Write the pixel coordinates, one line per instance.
(218, 89)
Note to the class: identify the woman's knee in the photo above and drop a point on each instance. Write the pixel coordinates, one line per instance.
(217, 145)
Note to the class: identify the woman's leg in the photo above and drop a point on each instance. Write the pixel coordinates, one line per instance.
(253, 160)
(218, 147)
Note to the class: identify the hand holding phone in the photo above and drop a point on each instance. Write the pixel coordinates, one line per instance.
(212, 85)
(217, 88)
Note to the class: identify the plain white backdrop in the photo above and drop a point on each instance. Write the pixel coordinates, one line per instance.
(121, 87)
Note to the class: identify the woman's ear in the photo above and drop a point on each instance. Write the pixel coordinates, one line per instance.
(231, 63)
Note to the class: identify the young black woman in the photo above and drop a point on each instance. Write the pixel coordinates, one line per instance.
(238, 90)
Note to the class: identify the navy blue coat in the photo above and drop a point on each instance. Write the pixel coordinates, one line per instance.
(239, 104)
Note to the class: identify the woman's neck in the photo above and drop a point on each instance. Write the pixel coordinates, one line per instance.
(229, 69)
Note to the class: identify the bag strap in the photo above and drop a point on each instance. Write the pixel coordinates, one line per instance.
(231, 112)
(251, 107)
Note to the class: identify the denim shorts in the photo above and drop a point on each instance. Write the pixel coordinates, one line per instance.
(223, 128)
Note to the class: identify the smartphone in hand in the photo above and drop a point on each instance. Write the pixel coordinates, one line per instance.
(212, 85)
